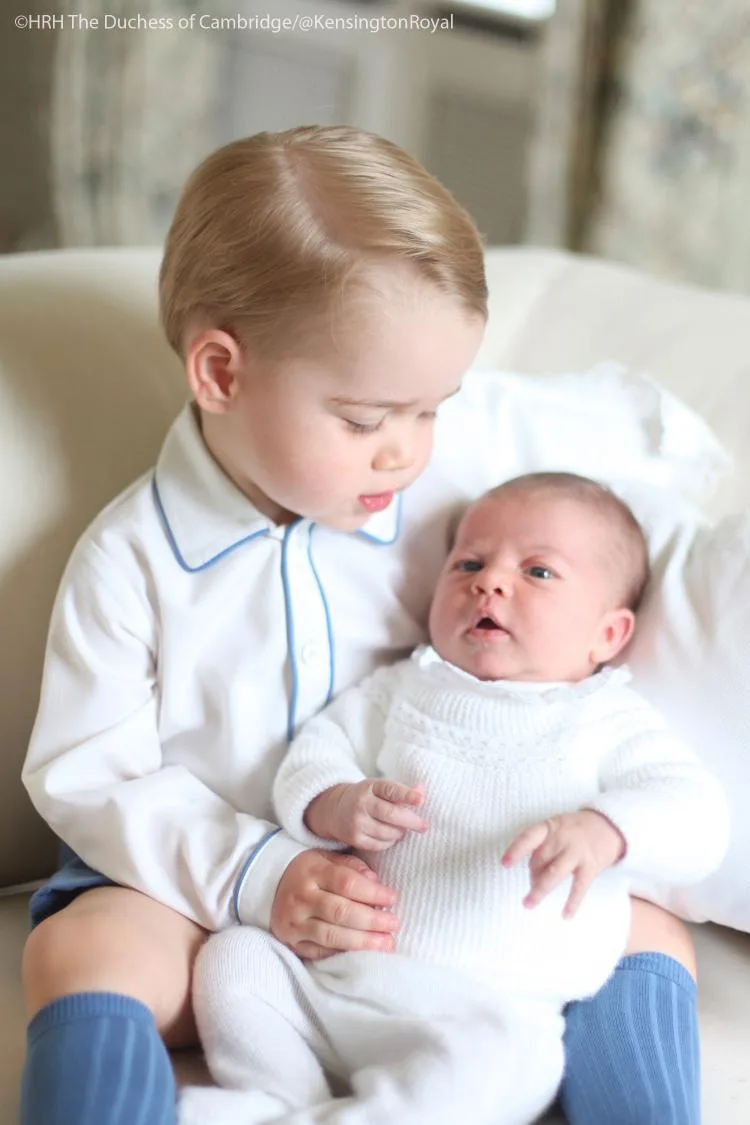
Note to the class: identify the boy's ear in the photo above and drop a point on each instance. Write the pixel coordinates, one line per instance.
(615, 630)
(214, 364)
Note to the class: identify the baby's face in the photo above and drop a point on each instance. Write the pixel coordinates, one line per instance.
(527, 592)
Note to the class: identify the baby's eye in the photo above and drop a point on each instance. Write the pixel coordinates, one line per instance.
(537, 571)
(363, 427)
(468, 566)
(428, 416)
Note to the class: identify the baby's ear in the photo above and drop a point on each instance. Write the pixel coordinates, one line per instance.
(213, 365)
(615, 630)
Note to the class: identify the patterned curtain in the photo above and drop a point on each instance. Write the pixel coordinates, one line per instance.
(574, 70)
(674, 161)
(133, 112)
(641, 150)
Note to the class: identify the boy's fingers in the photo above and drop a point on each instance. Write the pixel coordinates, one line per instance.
(309, 951)
(340, 939)
(351, 884)
(344, 914)
(344, 859)
(525, 843)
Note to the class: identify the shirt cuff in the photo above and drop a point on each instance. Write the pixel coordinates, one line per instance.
(260, 876)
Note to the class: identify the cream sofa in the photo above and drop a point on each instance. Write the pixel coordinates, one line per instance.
(87, 389)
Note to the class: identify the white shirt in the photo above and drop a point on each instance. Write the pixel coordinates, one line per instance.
(495, 758)
(191, 636)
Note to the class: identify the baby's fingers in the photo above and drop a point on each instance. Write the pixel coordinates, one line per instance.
(544, 854)
(396, 794)
(543, 882)
(525, 843)
(582, 880)
(397, 816)
(376, 837)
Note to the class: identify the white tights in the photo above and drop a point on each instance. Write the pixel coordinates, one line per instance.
(414, 1044)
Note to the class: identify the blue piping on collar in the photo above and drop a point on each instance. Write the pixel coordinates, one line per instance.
(326, 610)
(264, 533)
(290, 645)
(173, 542)
(385, 542)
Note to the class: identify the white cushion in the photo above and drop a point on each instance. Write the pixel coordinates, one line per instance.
(691, 658)
(609, 423)
(87, 389)
(553, 311)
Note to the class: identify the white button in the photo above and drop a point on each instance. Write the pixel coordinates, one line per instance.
(310, 652)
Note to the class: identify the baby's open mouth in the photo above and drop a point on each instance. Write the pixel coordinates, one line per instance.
(488, 623)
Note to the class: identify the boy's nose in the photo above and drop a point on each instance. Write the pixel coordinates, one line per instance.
(393, 457)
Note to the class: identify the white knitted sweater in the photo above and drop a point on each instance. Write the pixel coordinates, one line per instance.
(494, 758)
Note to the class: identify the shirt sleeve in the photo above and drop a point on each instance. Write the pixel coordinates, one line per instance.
(672, 812)
(339, 745)
(95, 770)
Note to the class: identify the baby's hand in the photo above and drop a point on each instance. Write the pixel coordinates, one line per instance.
(372, 815)
(580, 844)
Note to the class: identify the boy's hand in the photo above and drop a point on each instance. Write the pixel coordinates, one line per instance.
(329, 903)
(580, 844)
(372, 815)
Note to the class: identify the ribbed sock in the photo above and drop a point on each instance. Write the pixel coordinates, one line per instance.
(95, 1058)
(632, 1051)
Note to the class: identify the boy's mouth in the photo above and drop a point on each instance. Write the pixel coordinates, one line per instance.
(377, 502)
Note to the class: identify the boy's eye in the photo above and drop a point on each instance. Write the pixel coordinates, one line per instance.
(362, 427)
(538, 571)
(468, 566)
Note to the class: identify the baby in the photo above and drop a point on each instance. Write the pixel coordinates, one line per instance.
(525, 784)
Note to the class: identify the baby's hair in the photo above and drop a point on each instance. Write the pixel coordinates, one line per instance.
(269, 230)
(627, 550)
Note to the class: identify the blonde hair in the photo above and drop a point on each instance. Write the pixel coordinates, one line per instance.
(269, 230)
(626, 548)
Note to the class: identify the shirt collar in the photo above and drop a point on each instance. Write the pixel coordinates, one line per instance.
(384, 527)
(205, 516)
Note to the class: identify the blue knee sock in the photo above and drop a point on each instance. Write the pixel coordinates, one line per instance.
(95, 1058)
(632, 1055)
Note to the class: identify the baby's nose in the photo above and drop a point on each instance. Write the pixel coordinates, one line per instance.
(494, 580)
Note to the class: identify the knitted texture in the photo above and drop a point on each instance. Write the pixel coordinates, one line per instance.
(494, 758)
(415, 1044)
(642, 1022)
(95, 1058)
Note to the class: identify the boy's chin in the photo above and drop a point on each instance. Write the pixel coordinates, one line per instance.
(347, 521)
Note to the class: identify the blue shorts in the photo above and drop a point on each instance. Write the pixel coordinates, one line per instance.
(71, 879)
